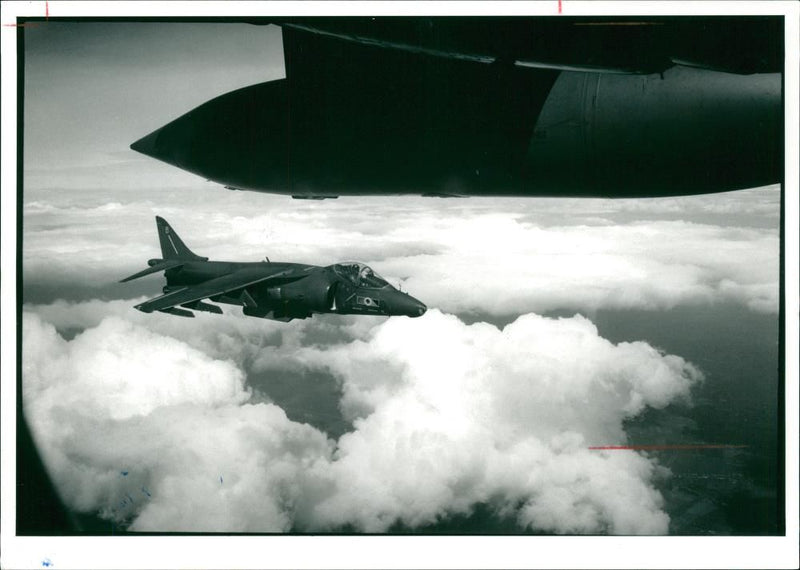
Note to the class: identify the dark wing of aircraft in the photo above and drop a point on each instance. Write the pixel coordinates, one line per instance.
(627, 45)
(230, 285)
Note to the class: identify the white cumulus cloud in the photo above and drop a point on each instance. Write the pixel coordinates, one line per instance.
(165, 434)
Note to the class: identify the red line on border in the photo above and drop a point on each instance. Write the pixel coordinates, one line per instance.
(32, 24)
(559, 6)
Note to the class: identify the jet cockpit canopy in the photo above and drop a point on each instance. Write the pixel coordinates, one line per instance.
(359, 274)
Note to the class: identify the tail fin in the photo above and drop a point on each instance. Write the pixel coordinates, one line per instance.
(172, 246)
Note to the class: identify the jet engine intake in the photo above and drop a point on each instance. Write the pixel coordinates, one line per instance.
(314, 293)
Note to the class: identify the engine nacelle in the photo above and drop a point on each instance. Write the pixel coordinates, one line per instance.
(314, 293)
(524, 132)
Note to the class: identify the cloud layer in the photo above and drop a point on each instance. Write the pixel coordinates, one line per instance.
(497, 257)
(167, 434)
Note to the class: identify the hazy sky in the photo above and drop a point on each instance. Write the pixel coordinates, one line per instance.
(442, 415)
(93, 88)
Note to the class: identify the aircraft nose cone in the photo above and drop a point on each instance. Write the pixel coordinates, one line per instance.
(171, 143)
(402, 304)
(147, 144)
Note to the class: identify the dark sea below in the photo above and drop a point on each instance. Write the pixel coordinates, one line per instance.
(727, 491)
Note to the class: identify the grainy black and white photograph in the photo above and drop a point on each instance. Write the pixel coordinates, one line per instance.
(405, 275)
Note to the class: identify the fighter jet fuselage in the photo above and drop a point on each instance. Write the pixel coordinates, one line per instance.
(271, 290)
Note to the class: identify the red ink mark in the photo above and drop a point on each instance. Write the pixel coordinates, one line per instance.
(668, 447)
(559, 6)
(33, 24)
(618, 24)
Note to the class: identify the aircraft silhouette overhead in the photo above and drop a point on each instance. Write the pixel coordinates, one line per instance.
(513, 106)
(269, 290)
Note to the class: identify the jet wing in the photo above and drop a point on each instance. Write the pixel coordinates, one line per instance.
(218, 286)
(635, 45)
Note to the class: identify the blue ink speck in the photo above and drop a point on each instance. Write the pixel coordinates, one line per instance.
(124, 473)
(46, 563)
(220, 479)
(146, 492)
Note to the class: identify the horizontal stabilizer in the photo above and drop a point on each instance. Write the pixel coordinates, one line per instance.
(177, 312)
(161, 266)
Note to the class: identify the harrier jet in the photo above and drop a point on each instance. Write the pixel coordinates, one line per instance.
(270, 290)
